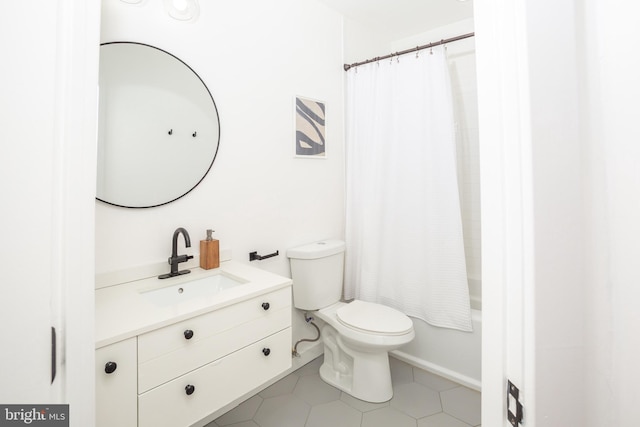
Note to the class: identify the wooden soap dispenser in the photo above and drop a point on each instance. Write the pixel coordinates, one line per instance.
(209, 252)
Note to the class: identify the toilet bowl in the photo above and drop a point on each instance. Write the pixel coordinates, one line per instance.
(357, 335)
(357, 338)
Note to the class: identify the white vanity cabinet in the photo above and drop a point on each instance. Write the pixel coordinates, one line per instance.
(182, 372)
(190, 369)
(195, 395)
(116, 385)
(174, 350)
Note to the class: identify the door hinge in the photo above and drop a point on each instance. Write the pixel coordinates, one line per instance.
(54, 352)
(512, 402)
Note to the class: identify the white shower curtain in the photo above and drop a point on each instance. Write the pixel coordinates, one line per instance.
(404, 229)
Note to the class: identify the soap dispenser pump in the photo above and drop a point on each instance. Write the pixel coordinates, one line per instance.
(209, 252)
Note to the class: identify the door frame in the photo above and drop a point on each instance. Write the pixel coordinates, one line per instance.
(506, 208)
(76, 100)
(532, 142)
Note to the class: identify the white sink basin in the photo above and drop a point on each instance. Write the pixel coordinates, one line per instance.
(197, 288)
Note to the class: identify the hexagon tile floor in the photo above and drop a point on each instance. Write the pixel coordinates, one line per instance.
(302, 399)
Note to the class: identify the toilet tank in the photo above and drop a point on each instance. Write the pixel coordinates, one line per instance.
(317, 272)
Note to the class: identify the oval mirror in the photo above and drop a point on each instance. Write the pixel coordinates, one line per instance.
(158, 127)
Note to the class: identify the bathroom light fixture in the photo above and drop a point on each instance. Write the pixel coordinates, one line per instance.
(182, 10)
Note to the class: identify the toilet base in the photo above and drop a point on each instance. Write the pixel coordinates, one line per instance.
(365, 376)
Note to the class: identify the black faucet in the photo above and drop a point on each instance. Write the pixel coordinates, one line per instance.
(176, 259)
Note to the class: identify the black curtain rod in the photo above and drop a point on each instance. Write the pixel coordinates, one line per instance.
(415, 49)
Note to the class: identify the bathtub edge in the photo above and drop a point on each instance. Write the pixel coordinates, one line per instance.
(438, 370)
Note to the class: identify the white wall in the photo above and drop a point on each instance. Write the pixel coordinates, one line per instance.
(257, 196)
(363, 42)
(585, 156)
(612, 202)
(255, 57)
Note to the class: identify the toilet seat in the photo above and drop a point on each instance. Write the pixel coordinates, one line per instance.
(374, 318)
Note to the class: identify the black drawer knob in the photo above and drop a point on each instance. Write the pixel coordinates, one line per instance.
(266, 351)
(265, 306)
(188, 334)
(189, 389)
(110, 367)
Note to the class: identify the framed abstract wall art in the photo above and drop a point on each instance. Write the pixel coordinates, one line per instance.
(310, 128)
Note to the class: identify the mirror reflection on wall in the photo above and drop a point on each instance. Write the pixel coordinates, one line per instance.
(158, 127)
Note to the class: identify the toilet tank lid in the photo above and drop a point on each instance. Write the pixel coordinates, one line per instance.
(321, 249)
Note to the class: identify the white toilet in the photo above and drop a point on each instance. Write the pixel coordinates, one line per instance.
(358, 335)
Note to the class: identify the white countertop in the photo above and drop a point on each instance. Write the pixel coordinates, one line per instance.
(122, 312)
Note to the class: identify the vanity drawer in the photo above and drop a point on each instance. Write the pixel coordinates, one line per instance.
(174, 337)
(185, 359)
(215, 335)
(216, 384)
